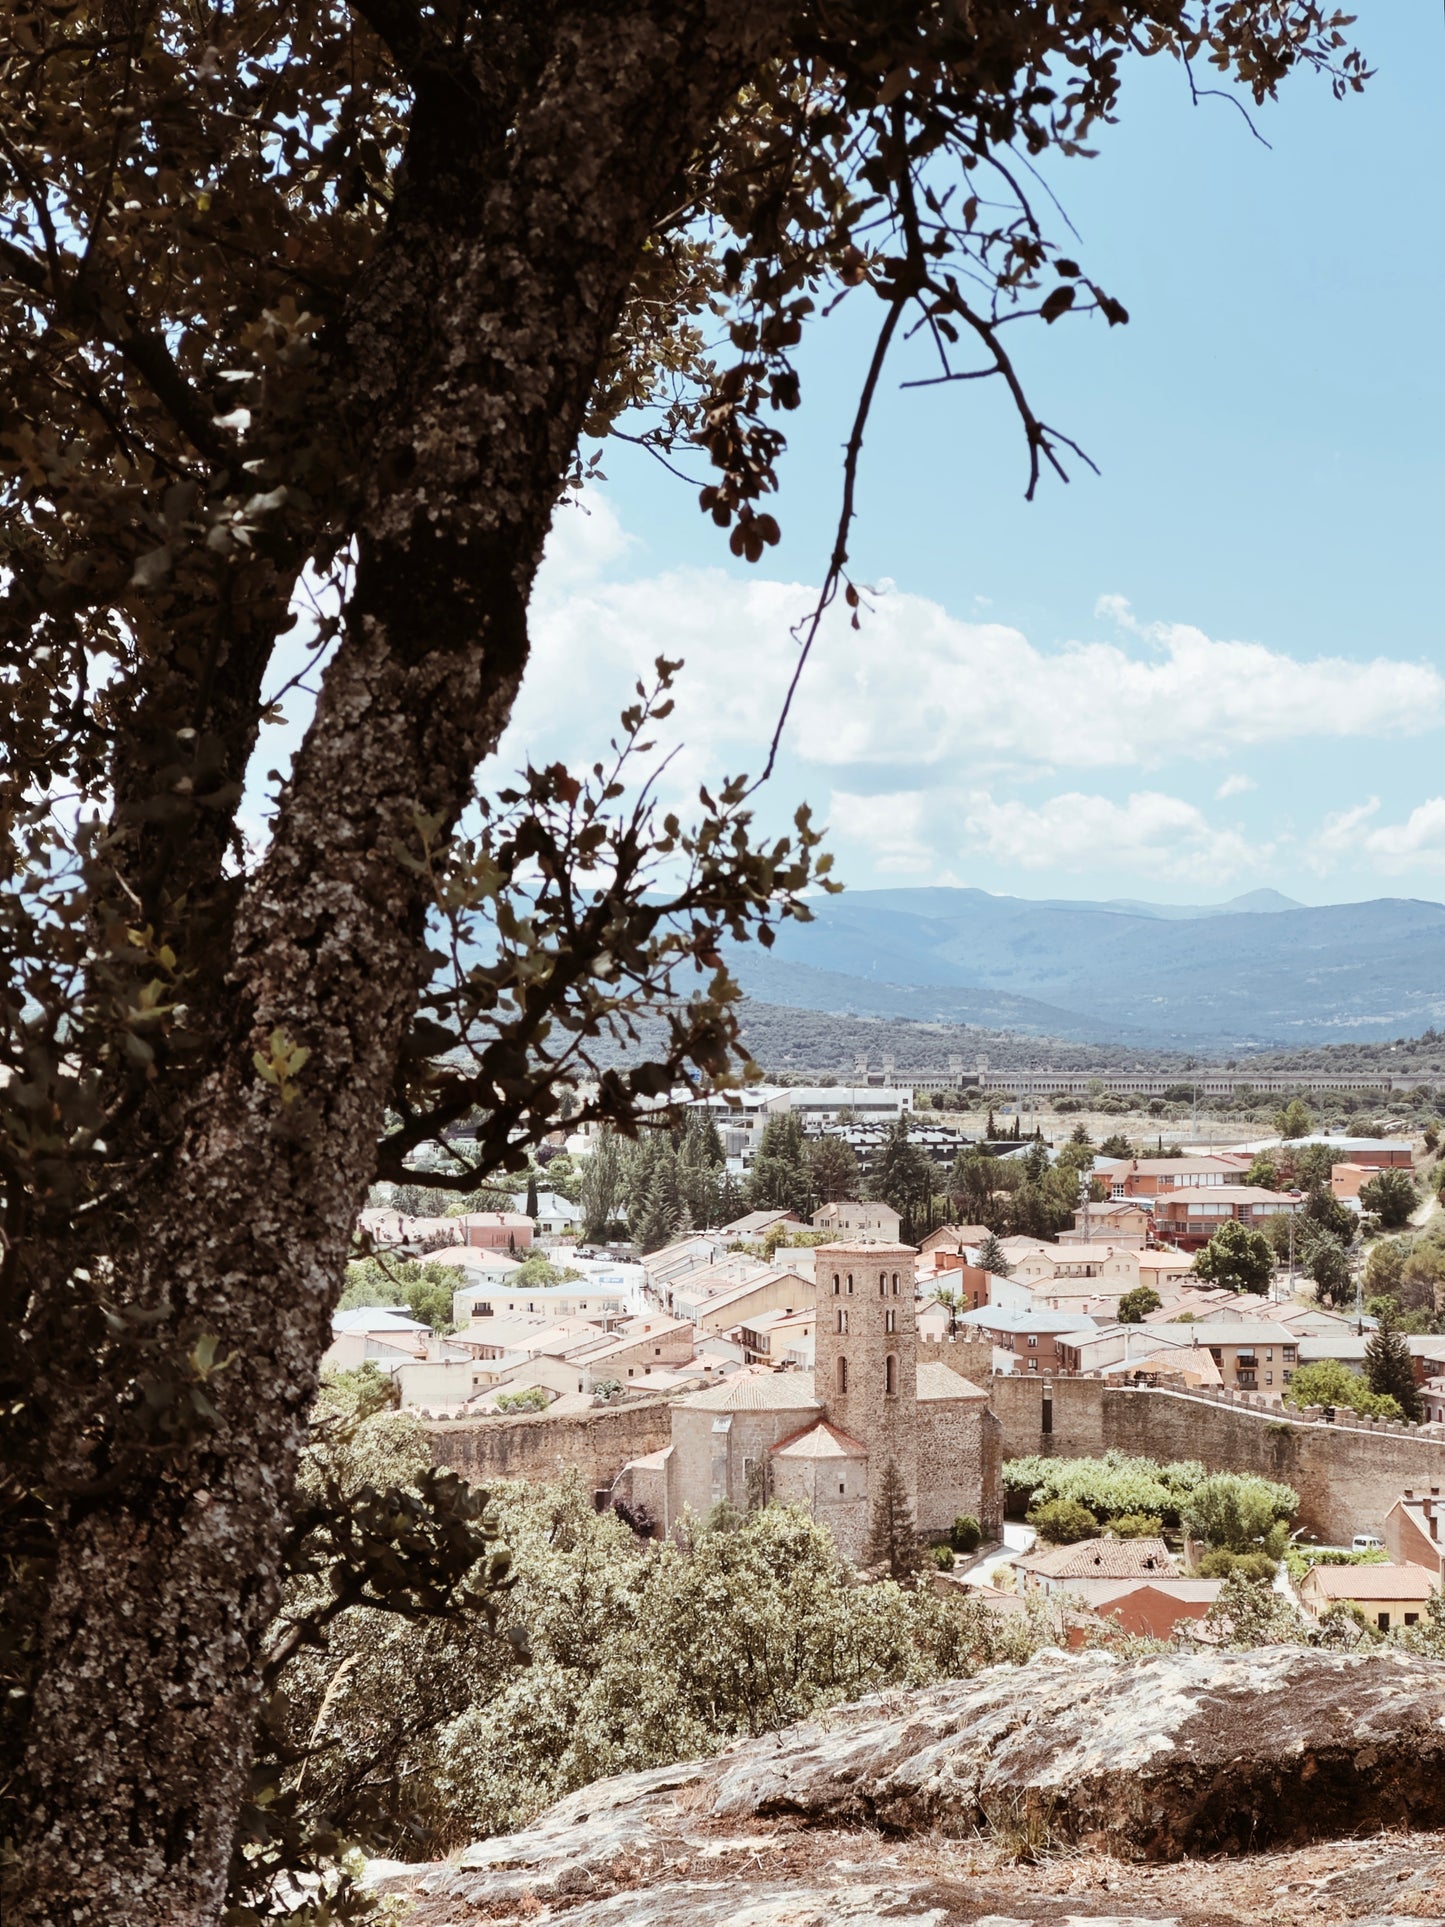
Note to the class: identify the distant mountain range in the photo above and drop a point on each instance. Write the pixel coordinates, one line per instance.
(1258, 970)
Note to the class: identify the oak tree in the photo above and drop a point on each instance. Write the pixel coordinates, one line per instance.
(309, 315)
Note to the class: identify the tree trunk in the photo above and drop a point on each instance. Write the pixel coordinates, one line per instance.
(469, 353)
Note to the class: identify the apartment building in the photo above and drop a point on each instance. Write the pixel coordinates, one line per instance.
(1189, 1218)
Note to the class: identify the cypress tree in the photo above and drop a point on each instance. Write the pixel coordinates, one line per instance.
(991, 1257)
(1390, 1370)
(892, 1534)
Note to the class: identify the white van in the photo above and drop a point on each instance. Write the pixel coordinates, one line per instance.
(1366, 1542)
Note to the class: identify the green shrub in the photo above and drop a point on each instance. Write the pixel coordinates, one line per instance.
(533, 1399)
(1137, 1525)
(1135, 1304)
(1241, 1513)
(1254, 1566)
(1062, 1522)
(967, 1533)
(1111, 1487)
(942, 1557)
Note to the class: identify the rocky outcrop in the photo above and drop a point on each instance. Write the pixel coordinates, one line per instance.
(1147, 1761)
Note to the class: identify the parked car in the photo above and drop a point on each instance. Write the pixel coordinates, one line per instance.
(1366, 1542)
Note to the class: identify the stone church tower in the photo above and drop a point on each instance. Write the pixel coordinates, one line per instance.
(866, 1351)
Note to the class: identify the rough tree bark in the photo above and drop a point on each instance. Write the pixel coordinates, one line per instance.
(467, 358)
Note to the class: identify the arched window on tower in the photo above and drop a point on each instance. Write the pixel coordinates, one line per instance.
(882, 1283)
(895, 1284)
(890, 1375)
(890, 1320)
(842, 1319)
(837, 1284)
(842, 1376)
(850, 1284)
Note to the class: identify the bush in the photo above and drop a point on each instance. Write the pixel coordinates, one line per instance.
(1392, 1196)
(942, 1557)
(1241, 1513)
(1136, 1304)
(1250, 1613)
(1220, 1563)
(1062, 1522)
(967, 1533)
(1111, 1486)
(1237, 1258)
(533, 1399)
(1328, 1381)
(1137, 1525)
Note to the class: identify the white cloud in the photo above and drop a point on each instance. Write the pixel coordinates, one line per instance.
(907, 831)
(916, 688)
(1416, 844)
(1235, 785)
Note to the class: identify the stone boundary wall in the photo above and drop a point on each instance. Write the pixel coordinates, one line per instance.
(1347, 1476)
(533, 1446)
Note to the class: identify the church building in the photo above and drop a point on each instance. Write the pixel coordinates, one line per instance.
(821, 1439)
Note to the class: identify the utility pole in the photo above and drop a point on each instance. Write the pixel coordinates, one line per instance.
(1291, 1254)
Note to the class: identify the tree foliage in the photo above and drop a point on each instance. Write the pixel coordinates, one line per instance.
(892, 1545)
(1112, 1487)
(780, 1176)
(1062, 1522)
(1391, 1196)
(993, 1259)
(1239, 1512)
(833, 1166)
(1390, 1369)
(1136, 1304)
(1236, 1257)
(603, 1185)
(1328, 1381)
(424, 1288)
(904, 1178)
(306, 312)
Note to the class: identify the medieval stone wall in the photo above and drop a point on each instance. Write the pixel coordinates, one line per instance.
(1347, 1476)
(959, 1463)
(536, 1447)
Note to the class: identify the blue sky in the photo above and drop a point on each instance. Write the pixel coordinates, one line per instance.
(1216, 666)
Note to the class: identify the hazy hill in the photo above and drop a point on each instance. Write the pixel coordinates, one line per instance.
(1256, 971)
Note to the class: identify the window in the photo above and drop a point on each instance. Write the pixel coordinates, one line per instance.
(842, 1376)
(842, 1320)
(890, 1320)
(837, 1284)
(1269, 1378)
(882, 1283)
(890, 1375)
(850, 1284)
(1382, 1620)
(842, 1489)
(1032, 1340)
(895, 1284)
(1412, 1619)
